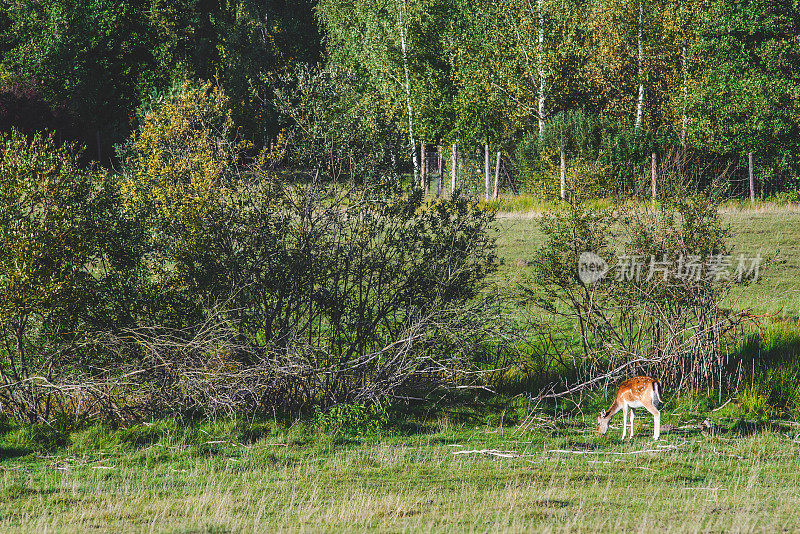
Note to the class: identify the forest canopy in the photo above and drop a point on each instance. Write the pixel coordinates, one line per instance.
(717, 76)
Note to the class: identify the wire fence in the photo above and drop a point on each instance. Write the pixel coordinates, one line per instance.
(469, 173)
(726, 176)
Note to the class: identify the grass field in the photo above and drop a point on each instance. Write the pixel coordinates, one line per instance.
(771, 231)
(554, 476)
(548, 473)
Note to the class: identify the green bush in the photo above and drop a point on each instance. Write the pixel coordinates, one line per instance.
(354, 419)
(57, 221)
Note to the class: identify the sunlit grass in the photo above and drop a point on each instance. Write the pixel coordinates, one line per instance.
(527, 204)
(771, 234)
(265, 476)
(301, 480)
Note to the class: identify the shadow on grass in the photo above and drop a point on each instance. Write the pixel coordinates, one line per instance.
(744, 428)
(741, 428)
(18, 490)
(551, 503)
(582, 446)
(7, 453)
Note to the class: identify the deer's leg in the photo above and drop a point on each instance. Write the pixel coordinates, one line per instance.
(656, 419)
(632, 414)
(624, 420)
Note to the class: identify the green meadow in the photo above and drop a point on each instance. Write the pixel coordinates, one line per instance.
(491, 464)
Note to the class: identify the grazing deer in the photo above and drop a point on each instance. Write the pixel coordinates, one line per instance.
(636, 392)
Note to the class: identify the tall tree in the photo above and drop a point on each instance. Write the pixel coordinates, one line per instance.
(746, 92)
(94, 56)
(103, 58)
(398, 48)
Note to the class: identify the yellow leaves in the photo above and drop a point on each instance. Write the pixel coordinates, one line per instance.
(181, 156)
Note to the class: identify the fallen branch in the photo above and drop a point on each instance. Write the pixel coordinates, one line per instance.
(664, 449)
(491, 452)
(721, 407)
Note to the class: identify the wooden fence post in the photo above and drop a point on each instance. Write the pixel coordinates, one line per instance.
(497, 176)
(653, 176)
(750, 176)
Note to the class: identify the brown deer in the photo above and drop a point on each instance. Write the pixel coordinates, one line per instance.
(636, 392)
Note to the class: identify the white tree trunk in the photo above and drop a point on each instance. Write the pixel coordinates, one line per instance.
(542, 86)
(488, 171)
(423, 168)
(640, 102)
(441, 172)
(563, 173)
(401, 8)
(453, 169)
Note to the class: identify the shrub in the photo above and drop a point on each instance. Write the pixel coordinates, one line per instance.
(292, 294)
(671, 326)
(329, 297)
(54, 222)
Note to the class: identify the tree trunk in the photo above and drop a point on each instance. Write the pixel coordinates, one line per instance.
(563, 174)
(488, 181)
(640, 102)
(99, 146)
(497, 176)
(751, 177)
(401, 8)
(453, 169)
(542, 86)
(423, 180)
(441, 171)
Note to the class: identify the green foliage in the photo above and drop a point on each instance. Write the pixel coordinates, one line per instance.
(633, 311)
(180, 157)
(745, 96)
(177, 191)
(55, 220)
(103, 58)
(582, 136)
(366, 38)
(354, 419)
(336, 133)
(94, 55)
(309, 272)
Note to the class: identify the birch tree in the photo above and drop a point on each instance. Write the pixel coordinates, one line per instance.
(639, 71)
(542, 82)
(401, 7)
(399, 49)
